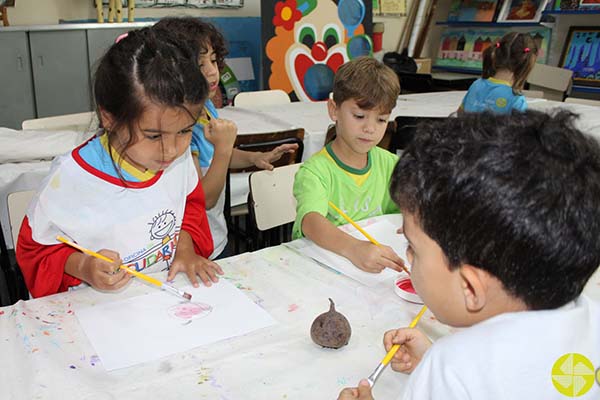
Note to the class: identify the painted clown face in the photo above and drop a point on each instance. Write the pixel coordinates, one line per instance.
(317, 52)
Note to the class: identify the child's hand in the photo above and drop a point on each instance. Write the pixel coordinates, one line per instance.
(413, 345)
(264, 160)
(362, 392)
(374, 259)
(221, 133)
(103, 275)
(194, 265)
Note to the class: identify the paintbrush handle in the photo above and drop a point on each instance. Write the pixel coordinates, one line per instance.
(104, 258)
(388, 357)
(361, 230)
(354, 224)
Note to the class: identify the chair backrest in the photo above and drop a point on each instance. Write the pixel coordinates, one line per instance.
(78, 122)
(17, 204)
(587, 102)
(261, 98)
(553, 81)
(533, 94)
(272, 201)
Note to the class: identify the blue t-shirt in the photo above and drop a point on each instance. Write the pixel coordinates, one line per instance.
(493, 95)
(199, 145)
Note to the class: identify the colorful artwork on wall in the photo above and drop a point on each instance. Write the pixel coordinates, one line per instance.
(581, 55)
(522, 10)
(472, 10)
(462, 49)
(306, 41)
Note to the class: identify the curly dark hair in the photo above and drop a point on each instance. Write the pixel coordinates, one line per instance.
(197, 33)
(517, 196)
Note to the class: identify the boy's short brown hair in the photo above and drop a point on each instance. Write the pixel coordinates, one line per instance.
(367, 81)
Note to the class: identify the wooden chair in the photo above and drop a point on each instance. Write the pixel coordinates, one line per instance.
(554, 82)
(587, 102)
(80, 122)
(261, 98)
(272, 203)
(244, 230)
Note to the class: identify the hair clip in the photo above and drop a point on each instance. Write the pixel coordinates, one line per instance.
(526, 50)
(121, 37)
(497, 45)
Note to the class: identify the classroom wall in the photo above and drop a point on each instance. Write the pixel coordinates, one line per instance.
(48, 12)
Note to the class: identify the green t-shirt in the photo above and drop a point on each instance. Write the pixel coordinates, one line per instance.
(359, 193)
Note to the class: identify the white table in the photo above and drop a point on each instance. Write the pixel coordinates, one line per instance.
(47, 354)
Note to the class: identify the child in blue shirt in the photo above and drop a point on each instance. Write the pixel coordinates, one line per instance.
(212, 142)
(506, 65)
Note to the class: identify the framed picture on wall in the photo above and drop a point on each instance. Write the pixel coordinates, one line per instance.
(522, 10)
(581, 55)
(461, 49)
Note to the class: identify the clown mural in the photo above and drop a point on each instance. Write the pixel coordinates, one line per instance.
(306, 41)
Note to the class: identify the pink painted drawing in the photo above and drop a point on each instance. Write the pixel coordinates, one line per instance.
(189, 311)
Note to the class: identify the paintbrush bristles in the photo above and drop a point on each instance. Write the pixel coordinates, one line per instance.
(188, 296)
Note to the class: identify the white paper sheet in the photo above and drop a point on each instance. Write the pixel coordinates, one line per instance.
(145, 328)
(382, 230)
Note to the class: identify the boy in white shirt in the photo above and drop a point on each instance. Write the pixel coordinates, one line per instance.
(503, 219)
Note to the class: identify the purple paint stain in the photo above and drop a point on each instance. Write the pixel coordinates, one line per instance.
(72, 366)
(94, 360)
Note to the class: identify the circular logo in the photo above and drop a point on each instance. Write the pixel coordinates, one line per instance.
(573, 374)
(501, 102)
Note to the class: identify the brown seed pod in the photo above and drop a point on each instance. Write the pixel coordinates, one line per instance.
(331, 329)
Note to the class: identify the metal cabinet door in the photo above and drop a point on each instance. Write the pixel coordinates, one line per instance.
(60, 72)
(16, 88)
(98, 41)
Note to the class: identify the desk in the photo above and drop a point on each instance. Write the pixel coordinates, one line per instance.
(47, 355)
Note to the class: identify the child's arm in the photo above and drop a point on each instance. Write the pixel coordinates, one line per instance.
(365, 255)
(221, 133)
(50, 269)
(243, 159)
(413, 345)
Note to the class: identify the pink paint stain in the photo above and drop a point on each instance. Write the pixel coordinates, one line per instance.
(406, 285)
(190, 311)
(1, 312)
(293, 307)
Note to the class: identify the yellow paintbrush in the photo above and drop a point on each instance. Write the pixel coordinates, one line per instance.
(388, 357)
(361, 230)
(162, 285)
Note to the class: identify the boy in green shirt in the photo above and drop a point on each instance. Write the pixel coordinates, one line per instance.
(351, 171)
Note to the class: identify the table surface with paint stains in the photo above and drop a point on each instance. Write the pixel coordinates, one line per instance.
(46, 354)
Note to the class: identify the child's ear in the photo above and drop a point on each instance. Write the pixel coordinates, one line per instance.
(106, 119)
(474, 282)
(332, 109)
